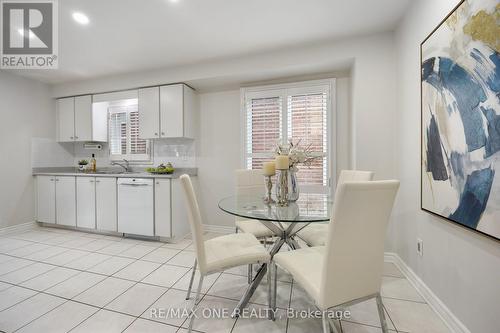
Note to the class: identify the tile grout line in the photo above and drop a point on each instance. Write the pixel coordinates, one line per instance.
(203, 296)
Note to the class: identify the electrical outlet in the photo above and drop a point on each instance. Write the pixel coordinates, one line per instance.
(420, 247)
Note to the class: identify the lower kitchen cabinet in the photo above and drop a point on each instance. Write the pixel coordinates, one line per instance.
(163, 221)
(46, 199)
(66, 200)
(138, 206)
(105, 191)
(180, 223)
(85, 202)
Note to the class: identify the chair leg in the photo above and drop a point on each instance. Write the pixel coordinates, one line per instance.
(275, 284)
(326, 324)
(381, 314)
(250, 273)
(195, 301)
(270, 290)
(191, 281)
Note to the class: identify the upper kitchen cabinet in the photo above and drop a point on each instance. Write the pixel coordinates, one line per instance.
(149, 112)
(66, 119)
(167, 112)
(77, 121)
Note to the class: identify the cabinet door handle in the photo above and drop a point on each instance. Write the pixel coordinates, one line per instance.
(71, 137)
(97, 181)
(156, 134)
(157, 183)
(57, 180)
(162, 133)
(76, 137)
(91, 181)
(51, 179)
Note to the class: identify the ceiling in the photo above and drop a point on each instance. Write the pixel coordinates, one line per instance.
(134, 35)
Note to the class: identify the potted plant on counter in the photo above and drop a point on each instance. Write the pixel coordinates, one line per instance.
(82, 164)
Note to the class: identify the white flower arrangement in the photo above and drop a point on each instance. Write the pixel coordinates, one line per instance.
(297, 154)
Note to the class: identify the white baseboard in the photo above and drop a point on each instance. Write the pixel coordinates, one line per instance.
(453, 323)
(17, 227)
(220, 229)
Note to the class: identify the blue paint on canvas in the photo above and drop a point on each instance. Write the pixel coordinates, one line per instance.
(467, 93)
(474, 198)
(435, 161)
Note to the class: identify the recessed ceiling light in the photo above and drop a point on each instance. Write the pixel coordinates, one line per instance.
(174, 1)
(80, 18)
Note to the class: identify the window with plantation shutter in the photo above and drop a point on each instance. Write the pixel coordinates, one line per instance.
(307, 122)
(124, 141)
(264, 118)
(297, 112)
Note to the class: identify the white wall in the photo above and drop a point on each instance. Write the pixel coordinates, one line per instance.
(27, 112)
(219, 152)
(461, 267)
(366, 113)
(373, 86)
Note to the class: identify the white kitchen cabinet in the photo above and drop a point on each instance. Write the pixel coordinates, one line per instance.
(180, 223)
(66, 200)
(85, 202)
(167, 112)
(66, 119)
(163, 225)
(139, 206)
(77, 120)
(177, 111)
(106, 204)
(83, 118)
(149, 113)
(46, 199)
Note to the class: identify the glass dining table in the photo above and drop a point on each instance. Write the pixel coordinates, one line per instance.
(284, 222)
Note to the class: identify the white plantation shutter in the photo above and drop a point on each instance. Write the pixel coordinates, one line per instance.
(264, 117)
(307, 122)
(296, 112)
(137, 146)
(118, 133)
(124, 141)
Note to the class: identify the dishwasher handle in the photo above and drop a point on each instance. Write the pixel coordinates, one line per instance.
(134, 184)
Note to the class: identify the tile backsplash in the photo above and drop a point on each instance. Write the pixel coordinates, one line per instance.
(49, 153)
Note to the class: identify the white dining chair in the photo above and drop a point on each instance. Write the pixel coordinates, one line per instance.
(219, 253)
(251, 182)
(315, 233)
(348, 269)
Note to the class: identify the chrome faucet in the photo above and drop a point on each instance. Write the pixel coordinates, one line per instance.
(125, 165)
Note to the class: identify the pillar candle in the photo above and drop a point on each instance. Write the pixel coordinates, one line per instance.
(269, 169)
(282, 162)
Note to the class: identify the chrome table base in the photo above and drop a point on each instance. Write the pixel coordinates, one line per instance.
(285, 236)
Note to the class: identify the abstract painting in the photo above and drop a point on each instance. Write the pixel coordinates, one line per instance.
(460, 89)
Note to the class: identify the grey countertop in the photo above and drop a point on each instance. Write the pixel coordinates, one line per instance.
(69, 171)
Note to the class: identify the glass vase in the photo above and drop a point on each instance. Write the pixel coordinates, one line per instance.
(293, 185)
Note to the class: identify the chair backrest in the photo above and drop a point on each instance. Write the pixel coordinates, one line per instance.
(249, 182)
(195, 221)
(354, 176)
(354, 254)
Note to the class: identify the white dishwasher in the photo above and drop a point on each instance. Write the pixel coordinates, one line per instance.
(136, 206)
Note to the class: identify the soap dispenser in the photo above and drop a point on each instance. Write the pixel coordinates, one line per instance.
(93, 164)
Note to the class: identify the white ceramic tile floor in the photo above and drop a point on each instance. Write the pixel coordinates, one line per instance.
(57, 280)
(137, 299)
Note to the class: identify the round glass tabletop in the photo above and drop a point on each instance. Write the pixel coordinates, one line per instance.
(309, 208)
